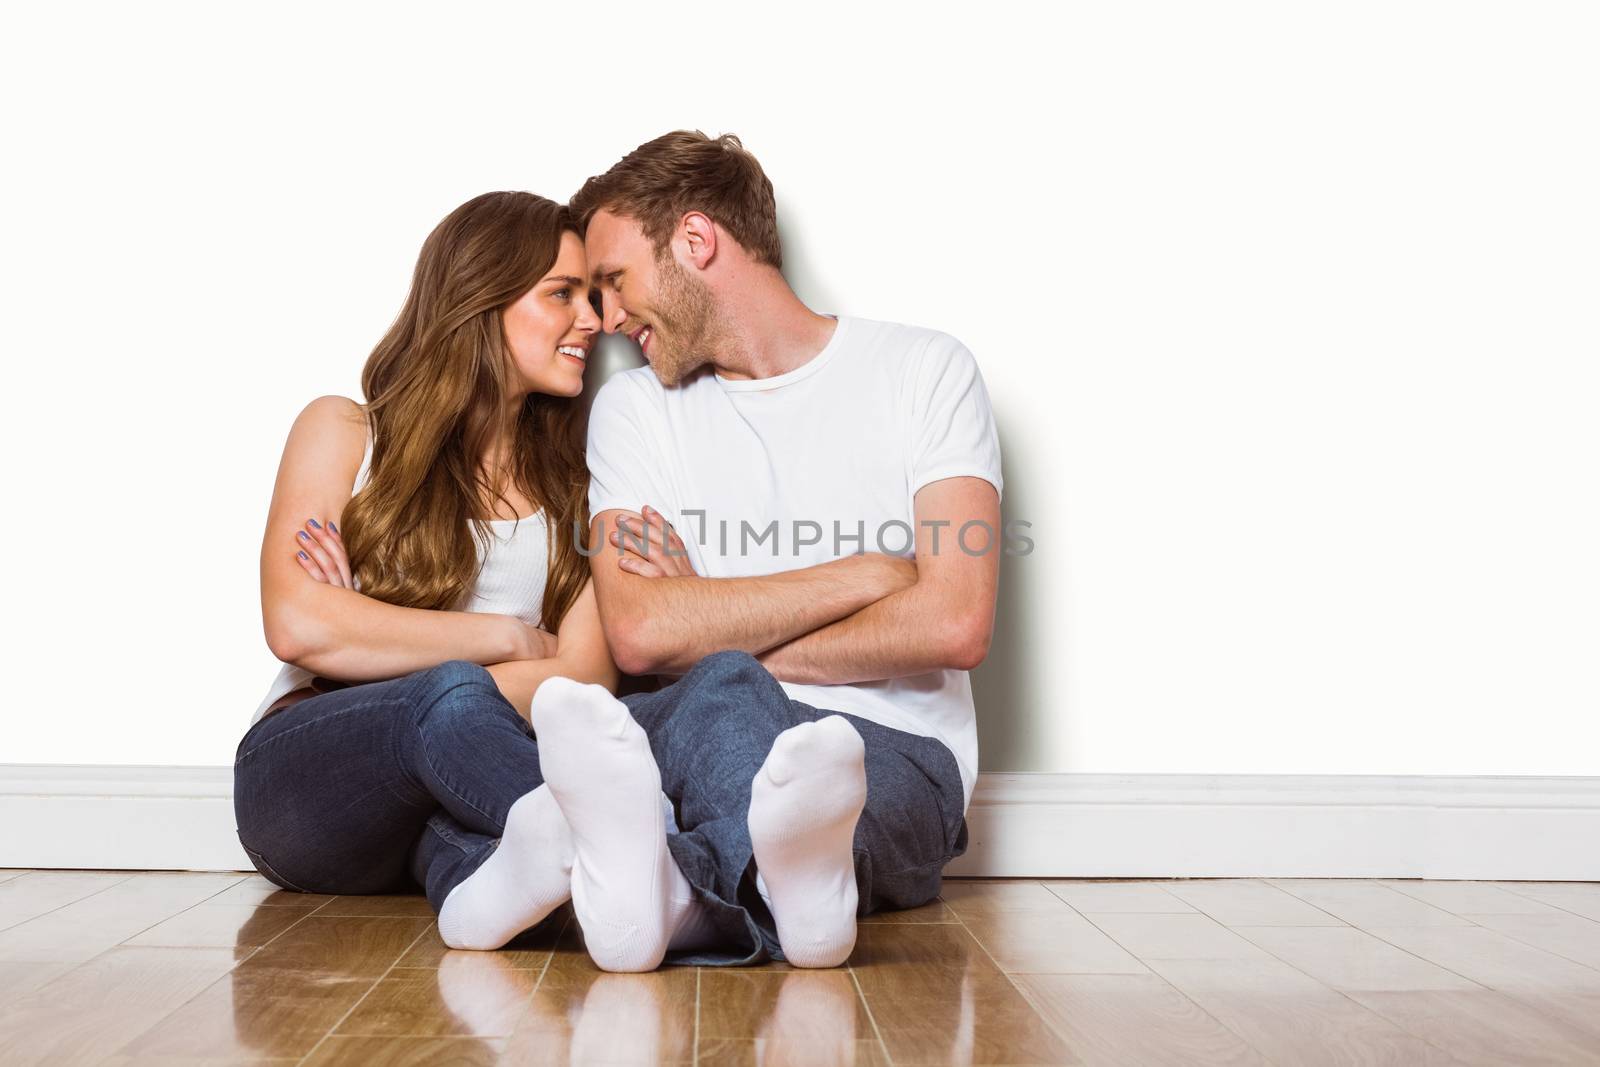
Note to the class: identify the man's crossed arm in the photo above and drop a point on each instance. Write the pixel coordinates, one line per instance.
(943, 621)
(858, 618)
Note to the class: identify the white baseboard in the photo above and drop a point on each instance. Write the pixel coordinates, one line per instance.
(119, 818)
(1020, 825)
(1285, 826)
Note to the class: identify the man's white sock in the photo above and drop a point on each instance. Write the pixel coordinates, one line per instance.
(804, 803)
(527, 877)
(627, 891)
(692, 926)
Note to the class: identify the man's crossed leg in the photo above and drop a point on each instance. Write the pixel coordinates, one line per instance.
(794, 820)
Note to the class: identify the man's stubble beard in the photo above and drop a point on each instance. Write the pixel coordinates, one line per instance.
(687, 313)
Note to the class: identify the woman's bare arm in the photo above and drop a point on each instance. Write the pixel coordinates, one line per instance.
(334, 631)
(581, 654)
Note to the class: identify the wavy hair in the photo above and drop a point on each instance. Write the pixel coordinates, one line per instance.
(682, 171)
(435, 388)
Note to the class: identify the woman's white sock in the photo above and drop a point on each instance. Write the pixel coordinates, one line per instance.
(804, 804)
(627, 892)
(527, 877)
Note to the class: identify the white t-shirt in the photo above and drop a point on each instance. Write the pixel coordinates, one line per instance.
(833, 452)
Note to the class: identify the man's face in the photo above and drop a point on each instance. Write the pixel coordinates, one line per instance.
(665, 308)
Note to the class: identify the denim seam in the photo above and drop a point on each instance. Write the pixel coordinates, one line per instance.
(913, 870)
(257, 857)
(423, 749)
(948, 856)
(456, 841)
(306, 725)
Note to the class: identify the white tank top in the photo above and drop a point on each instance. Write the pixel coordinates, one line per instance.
(510, 581)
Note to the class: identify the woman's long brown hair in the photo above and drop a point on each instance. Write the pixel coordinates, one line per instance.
(435, 388)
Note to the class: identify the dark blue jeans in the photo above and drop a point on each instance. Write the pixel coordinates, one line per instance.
(365, 789)
(712, 729)
(355, 790)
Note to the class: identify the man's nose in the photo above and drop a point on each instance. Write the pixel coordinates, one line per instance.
(613, 315)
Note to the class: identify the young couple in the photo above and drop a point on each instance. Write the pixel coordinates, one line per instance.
(792, 516)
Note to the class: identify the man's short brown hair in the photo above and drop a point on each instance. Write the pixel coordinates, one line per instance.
(683, 171)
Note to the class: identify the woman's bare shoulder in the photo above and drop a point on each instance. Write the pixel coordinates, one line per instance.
(333, 410)
(333, 416)
(330, 428)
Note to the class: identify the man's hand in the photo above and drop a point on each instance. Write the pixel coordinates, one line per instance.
(667, 627)
(650, 546)
(943, 621)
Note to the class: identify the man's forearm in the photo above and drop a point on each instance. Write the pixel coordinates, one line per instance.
(911, 632)
(943, 622)
(666, 625)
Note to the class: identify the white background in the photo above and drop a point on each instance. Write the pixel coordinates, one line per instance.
(1288, 313)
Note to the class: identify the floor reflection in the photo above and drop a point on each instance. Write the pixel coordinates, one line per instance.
(813, 1023)
(482, 994)
(936, 996)
(607, 1018)
(546, 1003)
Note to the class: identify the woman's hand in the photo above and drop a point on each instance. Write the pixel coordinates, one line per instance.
(537, 643)
(650, 546)
(321, 553)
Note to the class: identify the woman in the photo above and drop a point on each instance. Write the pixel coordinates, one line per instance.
(434, 574)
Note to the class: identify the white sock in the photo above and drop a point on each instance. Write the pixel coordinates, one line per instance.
(693, 928)
(527, 877)
(627, 891)
(804, 804)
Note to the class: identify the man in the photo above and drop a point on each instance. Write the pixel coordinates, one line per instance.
(802, 514)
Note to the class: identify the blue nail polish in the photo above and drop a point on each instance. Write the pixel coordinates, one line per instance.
(304, 556)
(333, 526)
(302, 535)
(314, 525)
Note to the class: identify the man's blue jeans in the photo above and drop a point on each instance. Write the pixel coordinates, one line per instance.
(712, 729)
(351, 791)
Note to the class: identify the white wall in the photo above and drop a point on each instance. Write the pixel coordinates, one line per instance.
(1288, 313)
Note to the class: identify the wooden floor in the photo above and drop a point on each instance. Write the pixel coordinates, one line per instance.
(146, 968)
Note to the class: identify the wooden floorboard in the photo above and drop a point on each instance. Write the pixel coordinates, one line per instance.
(145, 968)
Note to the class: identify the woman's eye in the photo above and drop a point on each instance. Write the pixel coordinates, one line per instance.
(564, 294)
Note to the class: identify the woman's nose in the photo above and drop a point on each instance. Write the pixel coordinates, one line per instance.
(588, 321)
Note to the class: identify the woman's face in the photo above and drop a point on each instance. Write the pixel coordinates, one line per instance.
(551, 328)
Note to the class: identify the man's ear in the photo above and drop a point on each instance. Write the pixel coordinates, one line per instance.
(699, 236)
